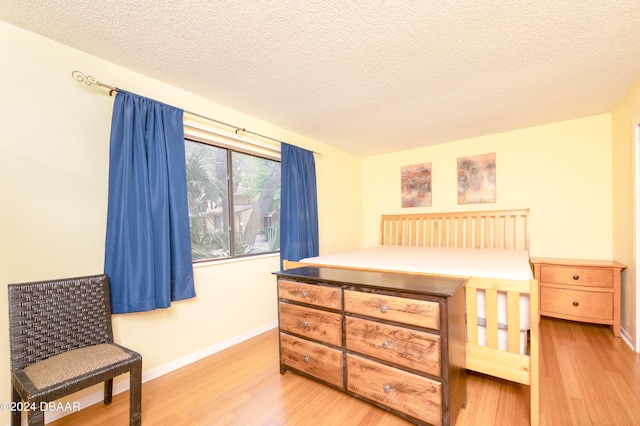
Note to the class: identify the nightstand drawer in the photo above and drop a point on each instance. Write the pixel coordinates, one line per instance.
(311, 323)
(585, 277)
(421, 313)
(416, 396)
(572, 304)
(398, 345)
(328, 297)
(312, 358)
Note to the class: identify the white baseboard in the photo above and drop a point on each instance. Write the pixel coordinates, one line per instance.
(123, 385)
(626, 337)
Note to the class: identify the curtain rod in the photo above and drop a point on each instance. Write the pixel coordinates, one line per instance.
(90, 81)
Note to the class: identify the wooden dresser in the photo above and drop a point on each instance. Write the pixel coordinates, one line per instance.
(394, 340)
(580, 290)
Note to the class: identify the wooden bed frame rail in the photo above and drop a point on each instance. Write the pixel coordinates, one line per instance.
(501, 229)
(510, 364)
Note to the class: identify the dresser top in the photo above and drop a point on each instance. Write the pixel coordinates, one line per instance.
(416, 283)
(577, 262)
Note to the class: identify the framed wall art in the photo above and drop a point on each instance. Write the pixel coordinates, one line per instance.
(477, 179)
(416, 185)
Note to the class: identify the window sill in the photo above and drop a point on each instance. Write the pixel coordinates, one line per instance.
(234, 260)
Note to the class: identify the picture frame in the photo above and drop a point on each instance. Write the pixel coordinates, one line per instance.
(477, 179)
(415, 182)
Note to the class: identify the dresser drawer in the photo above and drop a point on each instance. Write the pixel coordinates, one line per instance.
(407, 311)
(572, 275)
(408, 393)
(574, 304)
(328, 297)
(408, 348)
(314, 359)
(311, 323)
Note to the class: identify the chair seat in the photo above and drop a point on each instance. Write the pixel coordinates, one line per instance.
(74, 364)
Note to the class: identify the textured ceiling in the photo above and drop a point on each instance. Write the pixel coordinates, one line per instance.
(366, 77)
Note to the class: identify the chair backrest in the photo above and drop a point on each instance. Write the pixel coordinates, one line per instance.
(47, 318)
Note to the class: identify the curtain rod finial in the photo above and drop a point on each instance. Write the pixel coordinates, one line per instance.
(83, 78)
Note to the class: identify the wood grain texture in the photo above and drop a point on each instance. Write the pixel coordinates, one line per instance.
(327, 297)
(416, 396)
(398, 345)
(312, 358)
(588, 377)
(590, 277)
(576, 305)
(311, 323)
(420, 313)
(402, 362)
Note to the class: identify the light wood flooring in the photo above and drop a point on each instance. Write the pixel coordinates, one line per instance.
(588, 377)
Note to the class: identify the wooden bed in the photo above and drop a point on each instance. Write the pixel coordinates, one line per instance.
(499, 230)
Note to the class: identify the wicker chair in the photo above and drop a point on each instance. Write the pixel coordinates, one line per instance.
(62, 342)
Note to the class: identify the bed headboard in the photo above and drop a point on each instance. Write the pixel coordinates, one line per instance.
(503, 229)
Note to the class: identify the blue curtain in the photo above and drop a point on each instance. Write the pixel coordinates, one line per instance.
(298, 204)
(148, 245)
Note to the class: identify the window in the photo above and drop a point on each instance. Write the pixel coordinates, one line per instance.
(245, 223)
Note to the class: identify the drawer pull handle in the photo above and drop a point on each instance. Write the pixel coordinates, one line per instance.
(387, 389)
(304, 294)
(305, 323)
(576, 303)
(385, 345)
(576, 277)
(383, 309)
(307, 359)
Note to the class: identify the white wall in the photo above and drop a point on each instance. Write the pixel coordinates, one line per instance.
(626, 235)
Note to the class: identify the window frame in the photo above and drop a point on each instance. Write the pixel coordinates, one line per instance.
(232, 144)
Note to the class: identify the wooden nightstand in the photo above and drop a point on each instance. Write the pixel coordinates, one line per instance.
(580, 290)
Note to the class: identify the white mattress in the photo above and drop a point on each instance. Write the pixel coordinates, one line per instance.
(465, 262)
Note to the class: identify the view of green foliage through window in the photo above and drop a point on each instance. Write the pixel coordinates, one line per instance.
(223, 226)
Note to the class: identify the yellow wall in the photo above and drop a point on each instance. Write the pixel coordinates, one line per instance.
(561, 172)
(54, 144)
(624, 117)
